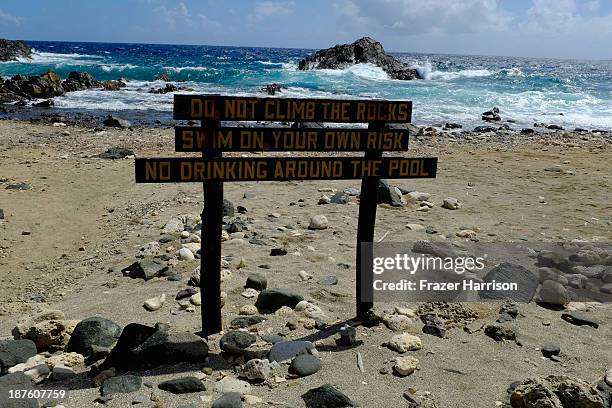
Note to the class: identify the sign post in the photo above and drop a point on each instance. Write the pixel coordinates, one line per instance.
(212, 170)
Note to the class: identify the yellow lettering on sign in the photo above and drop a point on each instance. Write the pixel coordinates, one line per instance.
(187, 139)
(157, 171)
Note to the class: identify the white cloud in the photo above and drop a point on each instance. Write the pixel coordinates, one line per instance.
(267, 9)
(172, 16)
(210, 25)
(9, 18)
(408, 17)
(567, 16)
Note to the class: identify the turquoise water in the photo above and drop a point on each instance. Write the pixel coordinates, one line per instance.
(455, 88)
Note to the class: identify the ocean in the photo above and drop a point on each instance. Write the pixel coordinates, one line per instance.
(456, 88)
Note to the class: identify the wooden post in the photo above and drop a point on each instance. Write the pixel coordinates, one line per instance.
(368, 204)
(210, 252)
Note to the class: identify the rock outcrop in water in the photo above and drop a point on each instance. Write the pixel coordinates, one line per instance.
(363, 51)
(49, 84)
(11, 50)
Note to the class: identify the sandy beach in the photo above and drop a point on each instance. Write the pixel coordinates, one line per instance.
(66, 238)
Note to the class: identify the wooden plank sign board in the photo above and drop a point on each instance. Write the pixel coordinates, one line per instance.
(185, 170)
(241, 139)
(215, 107)
(212, 169)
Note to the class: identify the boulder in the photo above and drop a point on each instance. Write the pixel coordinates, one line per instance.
(405, 365)
(16, 381)
(363, 51)
(326, 396)
(162, 77)
(80, 81)
(141, 347)
(42, 86)
(12, 50)
(256, 369)
(405, 342)
(270, 300)
(168, 88)
(554, 293)
(318, 222)
(13, 352)
(93, 331)
(556, 392)
(236, 340)
(511, 273)
(50, 334)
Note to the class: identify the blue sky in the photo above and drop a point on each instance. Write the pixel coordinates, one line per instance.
(547, 28)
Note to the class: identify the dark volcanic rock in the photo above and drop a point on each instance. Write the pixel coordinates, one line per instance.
(286, 350)
(141, 347)
(305, 364)
(167, 89)
(270, 300)
(228, 400)
(182, 385)
(11, 50)
(246, 321)
(491, 116)
(21, 87)
(44, 104)
(113, 85)
(511, 273)
(256, 281)
(112, 121)
(13, 352)
(363, 51)
(80, 81)
(16, 381)
(388, 195)
(236, 340)
(146, 269)
(93, 331)
(162, 77)
(579, 319)
(122, 384)
(115, 153)
(326, 396)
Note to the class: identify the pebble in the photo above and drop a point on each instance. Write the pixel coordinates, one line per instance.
(418, 196)
(228, 400)
(554, 293)
(415, 227)
(305, 364)
(256, 281)
(249, 293)
(230, 384)
(550, 350)
(348, 336)
(405, 342)
(397, 322)
(185, 254)
(247, 310)
(252, 400)
(466, 233)
(184, 385)
(579, 319)
(318, 222)
(155, 303)
(328, 280)
(60, 373)
(304, 275)
(196, 299)
(450, 203)
(256, 369)
(405, 365)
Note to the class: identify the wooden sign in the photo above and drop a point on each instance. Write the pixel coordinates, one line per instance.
(241, 139)
(215, 107)
(212, 169)
(185, 170)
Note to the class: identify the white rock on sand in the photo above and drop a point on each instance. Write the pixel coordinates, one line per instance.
(155, 303)
(405, 342)
(318, 222)
(405, 365)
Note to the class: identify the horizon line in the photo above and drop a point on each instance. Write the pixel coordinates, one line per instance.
(316, 49)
